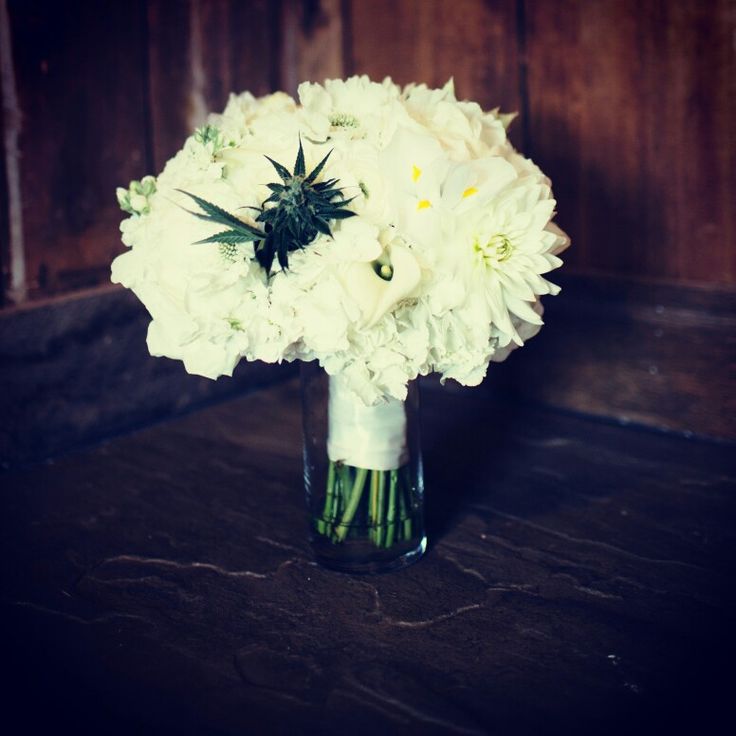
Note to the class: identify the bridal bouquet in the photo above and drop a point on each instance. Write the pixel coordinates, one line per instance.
(382, 232)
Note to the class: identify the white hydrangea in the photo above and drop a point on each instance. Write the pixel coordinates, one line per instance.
(440, 270)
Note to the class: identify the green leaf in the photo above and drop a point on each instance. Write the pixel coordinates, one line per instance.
(341, 214)
(213, 213)
(282, 249)
(267, 215)
(293, 228)
(317, 169)
(342, 202)
(275, 198)
(299, 166)
(229, 237)
(323, 185)
(282, 171)
(323, 226)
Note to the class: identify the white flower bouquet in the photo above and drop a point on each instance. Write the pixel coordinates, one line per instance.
(385, 233)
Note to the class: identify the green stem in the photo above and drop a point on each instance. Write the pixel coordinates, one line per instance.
(380, 525)
(328, 514)
(405, 510)
(373, 506)
(329, 510)
(341, 490)
(391, 516)
(352, 504)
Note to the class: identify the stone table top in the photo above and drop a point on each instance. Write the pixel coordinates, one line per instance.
(578, 580)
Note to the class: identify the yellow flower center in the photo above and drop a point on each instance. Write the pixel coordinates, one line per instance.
(498, 249)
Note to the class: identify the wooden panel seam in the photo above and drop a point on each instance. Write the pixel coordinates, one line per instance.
(16, 288)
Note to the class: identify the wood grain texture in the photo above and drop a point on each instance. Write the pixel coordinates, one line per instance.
(80, 77)
(4, 222)
(579, 581)
(108, 95)
(199, 53)
(256, 65)
(169, 78)
(430, 41)
(12, 256)
(631, 107)
(313, 42)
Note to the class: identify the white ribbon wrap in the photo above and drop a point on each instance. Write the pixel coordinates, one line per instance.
(371, 437)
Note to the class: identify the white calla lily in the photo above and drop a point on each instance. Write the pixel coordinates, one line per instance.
(375, 294)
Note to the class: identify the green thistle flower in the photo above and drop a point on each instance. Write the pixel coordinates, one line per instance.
(295, 213)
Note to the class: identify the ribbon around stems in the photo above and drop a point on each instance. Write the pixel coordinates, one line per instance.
(372, 437)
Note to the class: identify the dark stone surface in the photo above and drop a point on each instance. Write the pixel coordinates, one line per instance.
(578, 581)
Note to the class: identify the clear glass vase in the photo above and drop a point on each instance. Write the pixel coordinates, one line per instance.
(363, 477)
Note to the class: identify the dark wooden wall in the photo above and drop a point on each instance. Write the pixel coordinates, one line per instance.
(628, 105)
(106, 93)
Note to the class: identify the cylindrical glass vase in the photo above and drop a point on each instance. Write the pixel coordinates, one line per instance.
(362, 475)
